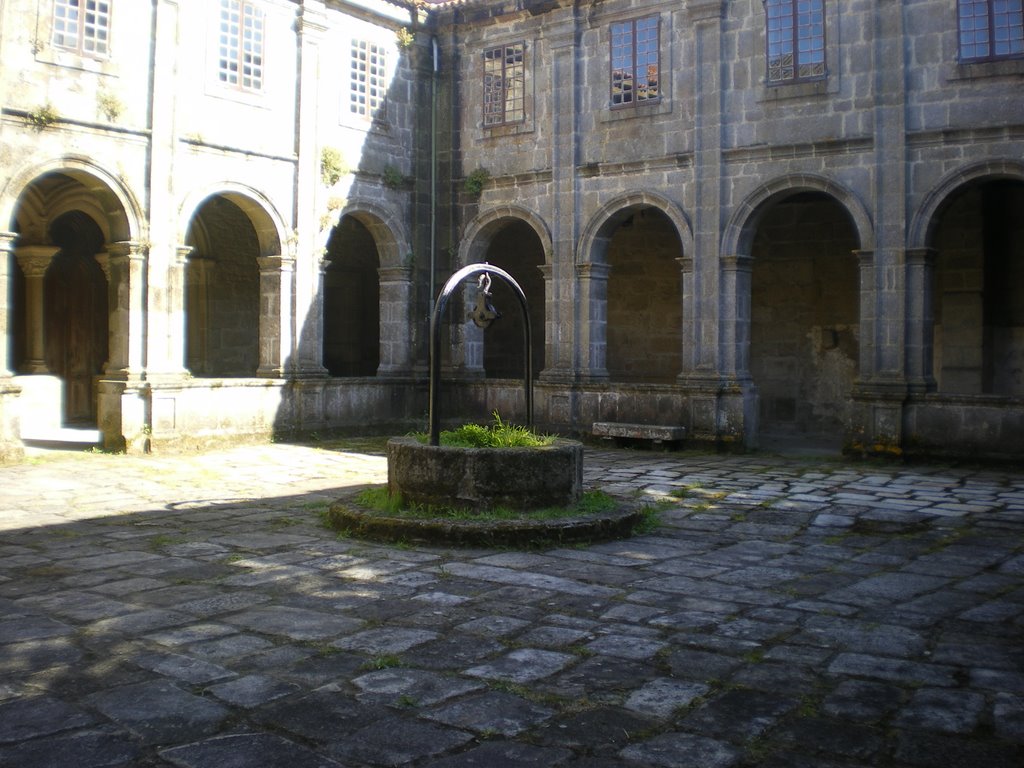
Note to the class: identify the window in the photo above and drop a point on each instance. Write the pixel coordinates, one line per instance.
(82, 26)
(240, 52)
(634, 62)
(991, 29)
(796, 40)
(369, 80)
(505, 85)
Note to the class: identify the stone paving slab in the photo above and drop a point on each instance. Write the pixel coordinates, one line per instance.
(192, 611)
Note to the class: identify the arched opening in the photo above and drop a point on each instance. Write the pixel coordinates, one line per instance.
(75, 301)
(351, 301)
(979, 290)
(222, 290)
(804, 340)
(644, 310)
(517, 249)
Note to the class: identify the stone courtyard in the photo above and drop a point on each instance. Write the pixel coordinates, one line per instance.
(192, 611)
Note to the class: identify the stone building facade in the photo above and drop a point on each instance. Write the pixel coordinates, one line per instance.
(227, 219)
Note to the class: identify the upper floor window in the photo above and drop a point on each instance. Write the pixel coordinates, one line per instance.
(82, 26)
(991, 29)
(505, 84)
(240, 49)
(796, 40)
(635, 62)
(368, 79)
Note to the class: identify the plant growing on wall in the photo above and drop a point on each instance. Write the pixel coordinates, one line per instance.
(404, 38)
(110, 106)
(332, 166)
(43, 116)
(476, 181)
(393, 178)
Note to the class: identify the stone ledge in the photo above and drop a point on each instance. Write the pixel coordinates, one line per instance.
(657, 433)
(348, 516)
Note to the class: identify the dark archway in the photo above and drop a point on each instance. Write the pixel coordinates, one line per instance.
(645, 308)
(76, 317)
(979, 290)
(517, 249)
(805, 294)
(222, 292)
(351, 301)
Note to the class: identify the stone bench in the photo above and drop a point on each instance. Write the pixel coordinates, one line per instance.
(656, 434)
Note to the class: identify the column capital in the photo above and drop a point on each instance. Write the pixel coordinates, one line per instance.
(132, 249)
(35, 259)
(737, 262)
(275, 263)
(925, 256)
(593, 270)
(395, 274)
(7, 240)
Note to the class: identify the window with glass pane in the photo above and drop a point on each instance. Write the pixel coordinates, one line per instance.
(505, 85)
(796, 40)
(82, 26)
(369, 80)
(635, 64)
(240, 62)
(991, 29)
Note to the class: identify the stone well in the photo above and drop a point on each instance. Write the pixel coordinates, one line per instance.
(485, 478)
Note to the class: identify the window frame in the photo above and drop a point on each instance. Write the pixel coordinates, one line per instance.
(375, 79)
(635, 101)
(990, 33)
(224, 47)
(794, 40)
(81, 26)
(502, 52)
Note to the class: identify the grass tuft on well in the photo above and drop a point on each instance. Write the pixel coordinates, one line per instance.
(377, 499)
(498, 434)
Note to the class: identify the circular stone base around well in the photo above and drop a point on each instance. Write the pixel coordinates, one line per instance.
(348, 516)
(485, 478)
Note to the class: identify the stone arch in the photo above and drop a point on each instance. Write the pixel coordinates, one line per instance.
(921, 231)
(110, 203)
(737, 239)
(593, 244)
(271, 231)
(481, 229)
(389, 233)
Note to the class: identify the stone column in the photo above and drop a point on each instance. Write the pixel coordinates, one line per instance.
(593, 321)
(705, 16)
(34, 261)
(306, 331)
(11, 448)
(565, 303)
(395, 335)
(735, 318)
(126, 263)
(866, 266)
(275, 314)
(920, 320)
(176, 311)
(6, 248)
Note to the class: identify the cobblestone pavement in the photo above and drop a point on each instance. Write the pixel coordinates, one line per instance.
(191, 611)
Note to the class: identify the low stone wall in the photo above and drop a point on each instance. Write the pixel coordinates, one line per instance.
(965, 426)
(485, 478)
